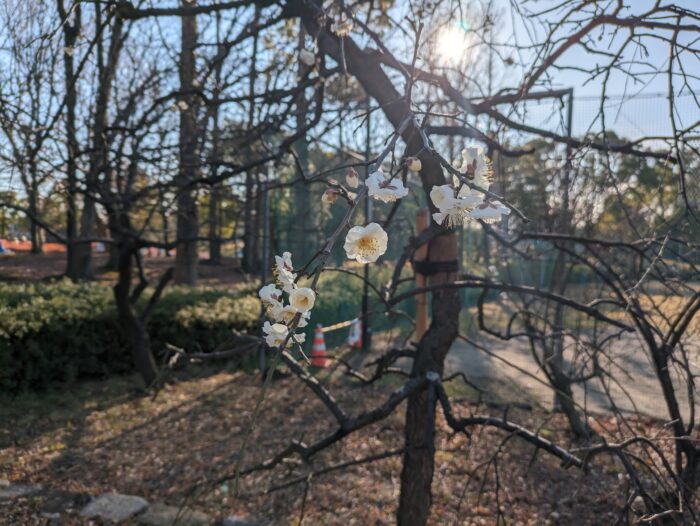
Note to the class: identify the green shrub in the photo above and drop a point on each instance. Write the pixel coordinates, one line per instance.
(62, 331)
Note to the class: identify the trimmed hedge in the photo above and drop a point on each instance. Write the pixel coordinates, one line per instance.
(61, 331)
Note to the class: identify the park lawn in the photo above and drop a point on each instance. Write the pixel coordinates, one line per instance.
(110, 436)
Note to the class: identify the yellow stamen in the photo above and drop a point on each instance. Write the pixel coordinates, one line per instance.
(367, 246)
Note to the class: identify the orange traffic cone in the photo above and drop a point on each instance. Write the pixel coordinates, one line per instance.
(318, 351)
(355, 336)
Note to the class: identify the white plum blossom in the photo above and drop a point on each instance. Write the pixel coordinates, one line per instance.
(366, 243)
(307, 58)
(466, 192)
(468, 203)
(477, 166)
(352, 178)
(489, 211)
(275, 333)
(441, 196)
(453, 210)
(282, 313)
(285, 314)
(302, 299)
(383, 189)
(284, 261)
(270, 294)
(296, 313)
(283, 272)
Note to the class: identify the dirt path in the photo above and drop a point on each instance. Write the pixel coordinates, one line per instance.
(509, 371)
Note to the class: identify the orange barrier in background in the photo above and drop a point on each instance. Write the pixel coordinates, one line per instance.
(26, 246)
(97, 248)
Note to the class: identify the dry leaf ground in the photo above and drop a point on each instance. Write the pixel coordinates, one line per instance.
(108, 436)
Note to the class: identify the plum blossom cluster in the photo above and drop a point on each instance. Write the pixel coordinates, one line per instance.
(457, 203)
(283, 315)
(288, 306)
(366, 244)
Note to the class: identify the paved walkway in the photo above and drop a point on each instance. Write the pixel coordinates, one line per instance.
(509, 372)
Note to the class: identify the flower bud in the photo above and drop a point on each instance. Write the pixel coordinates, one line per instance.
(330, 196)
(414, 164)
(352, 178)
(307, 57)
(342, 27)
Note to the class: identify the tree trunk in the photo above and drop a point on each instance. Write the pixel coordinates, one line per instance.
(248, 226)
(249, 232)
(554, 357)
(74, 266)
(303, 226)
(113, 259)
(419, 459)
(34, 230)
(134, 329)
(187, 256)
(70, 35)
(214, 226)
(215, 196)
(83, 247)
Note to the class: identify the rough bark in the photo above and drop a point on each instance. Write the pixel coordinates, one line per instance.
(134, 328)
(70, 35)
(33, 201)
(419, 459)
(187, 256)
(554, 357)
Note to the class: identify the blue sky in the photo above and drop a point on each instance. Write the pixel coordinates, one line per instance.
(644, 109)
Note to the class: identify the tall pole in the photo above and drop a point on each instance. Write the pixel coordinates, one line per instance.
(366, 333)
(569, 128)
(422, 220)
(264, 270)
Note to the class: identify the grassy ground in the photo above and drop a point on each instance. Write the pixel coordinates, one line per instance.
(109, 436)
